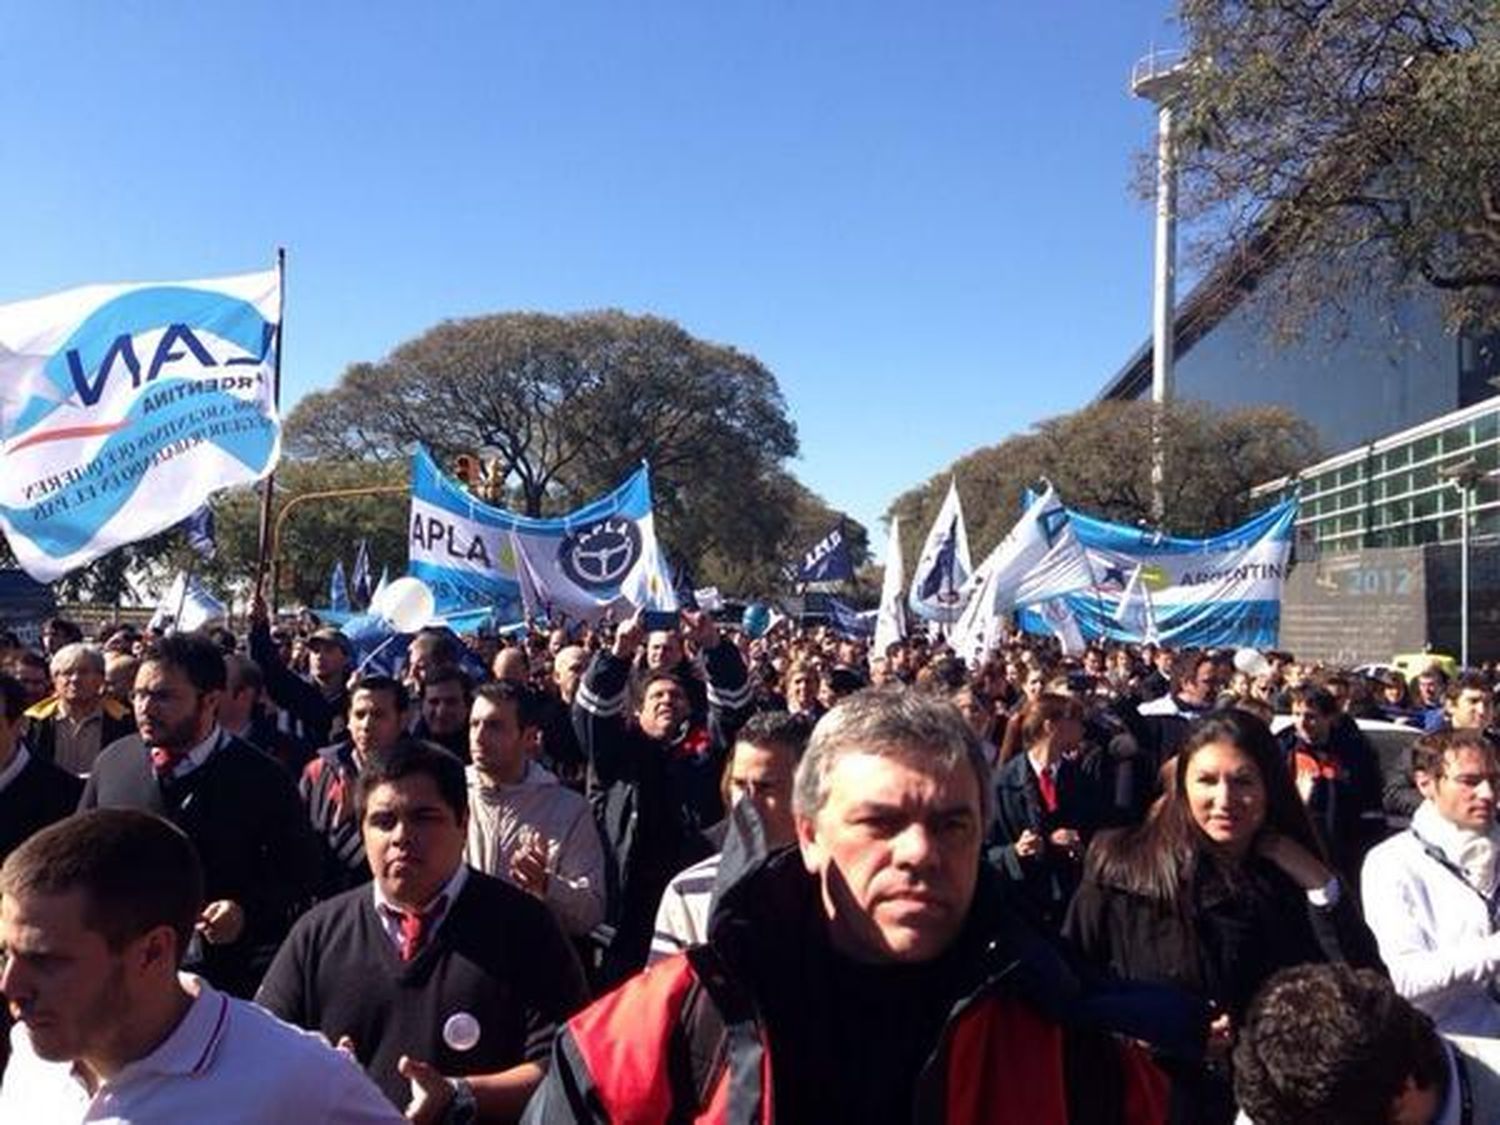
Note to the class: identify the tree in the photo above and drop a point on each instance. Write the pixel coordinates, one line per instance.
(315, 534)
(1099, 460)
(1333, 149)
(567, 406)
(748, 551)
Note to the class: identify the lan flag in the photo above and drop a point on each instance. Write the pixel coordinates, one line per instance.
(124, 407)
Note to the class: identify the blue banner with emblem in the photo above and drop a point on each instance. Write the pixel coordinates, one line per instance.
(474, 556)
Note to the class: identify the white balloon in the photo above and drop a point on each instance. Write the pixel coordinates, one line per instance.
(1251, 662)
(407, 603)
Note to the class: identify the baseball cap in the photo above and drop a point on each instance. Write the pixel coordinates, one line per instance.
(330, 636)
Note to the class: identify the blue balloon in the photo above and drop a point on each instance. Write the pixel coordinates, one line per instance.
(756, 621)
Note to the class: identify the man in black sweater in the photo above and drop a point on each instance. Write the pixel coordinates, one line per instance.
(33, 792)
(435, 969)
(234, 802)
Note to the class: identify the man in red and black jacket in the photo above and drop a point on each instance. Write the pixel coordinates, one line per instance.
(653, 778)
(873, 972)
(377, 705)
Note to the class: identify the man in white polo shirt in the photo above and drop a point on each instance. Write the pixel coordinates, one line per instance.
(95, 913)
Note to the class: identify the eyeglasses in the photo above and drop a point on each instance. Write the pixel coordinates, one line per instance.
(145, 696)
(1474, 780)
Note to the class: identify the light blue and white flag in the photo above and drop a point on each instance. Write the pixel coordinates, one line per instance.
(476, 556)
(186, 606)
(1222, 591)
(938, 583)
(338, 589)
(1039, 559)
(648, 586)
(123, 407)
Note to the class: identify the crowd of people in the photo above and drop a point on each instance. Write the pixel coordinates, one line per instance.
(612, 873)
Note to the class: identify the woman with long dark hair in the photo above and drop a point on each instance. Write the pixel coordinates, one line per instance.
(1222, 884)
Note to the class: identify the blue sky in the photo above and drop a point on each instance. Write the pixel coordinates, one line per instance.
(918, 216)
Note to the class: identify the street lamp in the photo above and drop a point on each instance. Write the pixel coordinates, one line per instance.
(1464, 476)
(1159, 78)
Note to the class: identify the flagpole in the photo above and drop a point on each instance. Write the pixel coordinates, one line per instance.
(187, 580)
(264, 535)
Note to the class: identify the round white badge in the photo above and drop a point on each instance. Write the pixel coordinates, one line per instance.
(461, 1031)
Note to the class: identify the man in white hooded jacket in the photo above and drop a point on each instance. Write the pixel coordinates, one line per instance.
(1432, 893)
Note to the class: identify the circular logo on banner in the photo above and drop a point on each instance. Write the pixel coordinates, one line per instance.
(601, 554)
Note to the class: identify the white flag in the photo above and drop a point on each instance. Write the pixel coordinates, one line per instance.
(890, 619)
(649, 585)
(937, 585)
(1135, 611)
(1063, 622)
(124, 407)
(1038, 560)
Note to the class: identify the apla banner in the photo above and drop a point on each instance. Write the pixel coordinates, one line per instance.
(475, 556)
(1223, 591)
(123, 407)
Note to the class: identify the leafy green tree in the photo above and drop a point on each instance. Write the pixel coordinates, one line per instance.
(1099, 459)
(316, 532)
(567, 406)
(1352, 146)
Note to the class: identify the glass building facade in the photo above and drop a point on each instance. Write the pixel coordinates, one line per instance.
(1389, 493)
(1380, 377)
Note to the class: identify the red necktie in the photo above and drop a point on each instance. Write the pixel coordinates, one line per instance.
(415, 924)
(164, 763)
(1048, 785)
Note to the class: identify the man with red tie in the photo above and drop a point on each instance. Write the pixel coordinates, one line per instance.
(1046, 807)
(447, 984)
(235, 803)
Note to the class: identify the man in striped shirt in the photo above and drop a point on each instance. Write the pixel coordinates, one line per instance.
(759, 772)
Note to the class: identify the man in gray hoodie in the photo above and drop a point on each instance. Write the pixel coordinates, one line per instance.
(524, 826)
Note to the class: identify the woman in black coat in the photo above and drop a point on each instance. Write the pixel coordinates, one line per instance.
(1220, 886)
